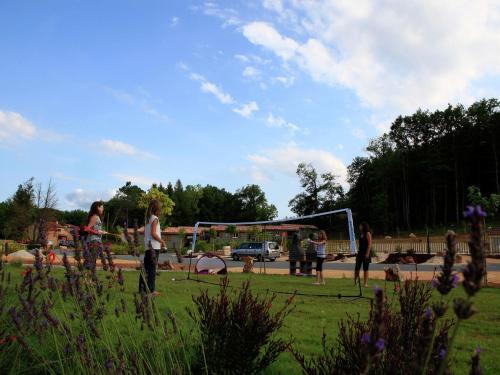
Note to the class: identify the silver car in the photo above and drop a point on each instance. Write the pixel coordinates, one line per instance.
(260, 250)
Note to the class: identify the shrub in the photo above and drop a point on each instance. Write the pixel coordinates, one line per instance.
(238, 335)
(203, 246)
(16, 263)
(393, 339)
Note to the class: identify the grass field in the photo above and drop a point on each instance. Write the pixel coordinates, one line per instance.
(313, 314)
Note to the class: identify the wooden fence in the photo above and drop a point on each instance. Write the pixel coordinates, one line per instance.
(418, 245)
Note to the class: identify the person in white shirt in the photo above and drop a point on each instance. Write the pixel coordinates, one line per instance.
(153, 243)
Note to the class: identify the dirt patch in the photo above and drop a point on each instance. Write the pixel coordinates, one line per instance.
(407, 259)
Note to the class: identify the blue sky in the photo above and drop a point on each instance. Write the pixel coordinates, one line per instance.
(94, 93)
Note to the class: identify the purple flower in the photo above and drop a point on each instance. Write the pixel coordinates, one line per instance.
(377, 289)
(478, 349)
(365, 338)
(428, 313)
(455, 280)
(480, 212)
(469, 211)
(108, 364)
(380, 345)
(435, 282)
(442, 353)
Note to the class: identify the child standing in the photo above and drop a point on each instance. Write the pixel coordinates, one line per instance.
(153, 243)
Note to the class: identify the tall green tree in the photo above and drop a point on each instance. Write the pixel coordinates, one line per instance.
(321, 192)
(254, 205)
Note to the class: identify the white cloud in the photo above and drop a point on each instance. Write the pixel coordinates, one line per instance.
(279, 122)
(261, 33)
(174, 21)
(229, 16)
(212, 88)
(276, 5)
(121, 148)
(139, 180)
(140, 101)
(269, 163)
(242, 58)
(82, 199)
(14, 127)
(359, 134)
(395, 55)
(247, 109)
(250, 71)
(252, 59)
(286, 81)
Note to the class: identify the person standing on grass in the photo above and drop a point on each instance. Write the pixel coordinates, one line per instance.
(94, 230)
(310, 254)
(153, 243)
(320, 257)
(364, 253)
(296, 254)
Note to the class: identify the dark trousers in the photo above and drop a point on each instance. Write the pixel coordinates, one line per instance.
(149, 271)
(293, 267)
(309, 268)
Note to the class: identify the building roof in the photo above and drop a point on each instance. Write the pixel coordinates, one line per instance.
(223, 228)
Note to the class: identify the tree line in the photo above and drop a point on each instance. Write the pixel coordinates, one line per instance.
(428, 167)
(421, 173)
(32, 206)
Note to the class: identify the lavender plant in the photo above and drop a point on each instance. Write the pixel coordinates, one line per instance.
(473, 275)
(392, 340)
(64, 326)
(238, 335)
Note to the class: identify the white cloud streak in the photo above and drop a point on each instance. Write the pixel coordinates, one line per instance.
(212, 88)
(121, 148)
(247, 109)
(14, 127)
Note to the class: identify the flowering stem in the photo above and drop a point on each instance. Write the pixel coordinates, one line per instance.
(448, 349)
(429, 351)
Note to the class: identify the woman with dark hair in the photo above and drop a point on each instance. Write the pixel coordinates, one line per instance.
(364, 253)
(153, 243)
(320, 257)
(94, 232)
(94, 222)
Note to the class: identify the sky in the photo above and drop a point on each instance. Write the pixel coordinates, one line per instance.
(228, 93)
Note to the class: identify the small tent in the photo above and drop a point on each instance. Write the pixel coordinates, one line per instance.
(210, 264)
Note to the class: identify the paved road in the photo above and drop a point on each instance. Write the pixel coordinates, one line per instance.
(327, 265)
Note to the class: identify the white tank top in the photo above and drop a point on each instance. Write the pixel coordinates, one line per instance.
(156, 245)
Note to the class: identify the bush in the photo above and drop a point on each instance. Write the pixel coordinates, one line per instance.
(16, 263)
(393, 340)
(203, 246)
(123, 249)
(237, 336)
(9, 247)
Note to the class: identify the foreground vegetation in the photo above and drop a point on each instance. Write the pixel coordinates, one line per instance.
(79, 321)
(310, 317)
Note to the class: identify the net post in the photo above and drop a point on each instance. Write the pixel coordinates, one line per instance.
(193, 246)
(352, 235)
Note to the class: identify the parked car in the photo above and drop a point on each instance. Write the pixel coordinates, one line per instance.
(259, 250)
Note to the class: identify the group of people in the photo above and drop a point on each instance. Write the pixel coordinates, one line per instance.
(152, 241)
(315, 251)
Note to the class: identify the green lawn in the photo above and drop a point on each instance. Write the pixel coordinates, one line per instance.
(312, 314)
